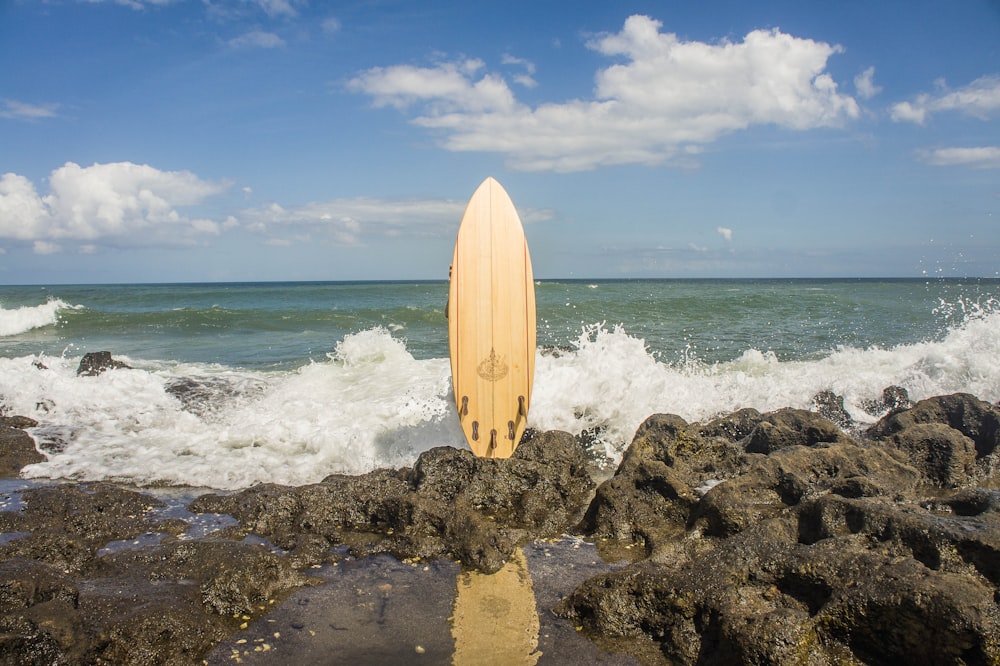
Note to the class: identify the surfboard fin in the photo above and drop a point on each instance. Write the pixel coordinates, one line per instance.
(493, 438)
(521, 409)
(465, 406)
(475, 430)
(510, 430)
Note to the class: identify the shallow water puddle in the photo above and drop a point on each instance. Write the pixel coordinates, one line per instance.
(382, 611)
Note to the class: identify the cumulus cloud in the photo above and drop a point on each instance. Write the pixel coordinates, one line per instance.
(864, 83)
(256, 39)
(725, 232)
(980, 99)
(665, 96)
(446, 89)
(104, 201)
(982, 157)
(22, 110)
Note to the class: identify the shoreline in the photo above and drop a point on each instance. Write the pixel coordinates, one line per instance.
(756, 536)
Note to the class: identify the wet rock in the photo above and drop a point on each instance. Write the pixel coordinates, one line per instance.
(650, 498)
(67, 599)
(893, 399)
(944, 455)
(809, 547)
(94, 363)
(792, 427)
(450, 504)
(17, 448)
(834, 580)
(830, 406)
(922, 433)
(66, 525)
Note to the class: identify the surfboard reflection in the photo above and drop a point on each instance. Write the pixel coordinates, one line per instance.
(495, 620)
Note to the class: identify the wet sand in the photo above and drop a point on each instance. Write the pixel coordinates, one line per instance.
(379, 610)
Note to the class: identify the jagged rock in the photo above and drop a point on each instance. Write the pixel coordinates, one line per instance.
(815, 548)
(893, 399)
(922, 432)
(451, 504)
(94, 363)
(830, 406)
(792, 427)
(833, 580)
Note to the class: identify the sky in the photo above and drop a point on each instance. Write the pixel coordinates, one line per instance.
(258, 140)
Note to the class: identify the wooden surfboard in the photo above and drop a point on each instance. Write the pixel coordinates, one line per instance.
(491, 323)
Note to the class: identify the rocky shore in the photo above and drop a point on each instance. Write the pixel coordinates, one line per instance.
(791, 537)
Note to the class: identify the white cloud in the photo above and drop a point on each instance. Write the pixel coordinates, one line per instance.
(277, 7)
(725, 232)
(102, 201)
(665, 96)
(46, 247)
(980, 99)
(983, 157)
(352, 221)
(446, 88)
(256, 39)
(525, 78)
(864, 83)
(22, 110)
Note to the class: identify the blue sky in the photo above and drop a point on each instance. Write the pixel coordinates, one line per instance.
(205, 140)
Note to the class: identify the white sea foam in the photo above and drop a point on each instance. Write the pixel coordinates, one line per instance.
(371, 404)
(23, 319)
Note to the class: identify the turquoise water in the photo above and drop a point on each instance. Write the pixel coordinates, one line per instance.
(283, 325)
(235, 384)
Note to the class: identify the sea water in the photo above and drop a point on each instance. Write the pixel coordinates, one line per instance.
(235, 384)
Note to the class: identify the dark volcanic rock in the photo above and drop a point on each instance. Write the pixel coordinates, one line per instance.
(809, 548)
(17, 448)
(762, 538)
(953, 439)
(451, 503)
(65, 598)
(94, 363)
(792, 427)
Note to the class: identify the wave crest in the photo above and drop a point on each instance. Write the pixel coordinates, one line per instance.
(23, 319)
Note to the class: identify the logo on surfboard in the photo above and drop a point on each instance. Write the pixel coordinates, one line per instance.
(492, 368)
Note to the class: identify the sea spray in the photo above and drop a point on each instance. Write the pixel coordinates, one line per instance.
(206, 403)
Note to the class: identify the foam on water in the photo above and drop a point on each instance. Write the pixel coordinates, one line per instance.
(372, 404)
(23, 319)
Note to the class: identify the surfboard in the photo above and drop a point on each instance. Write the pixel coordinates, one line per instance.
(491, 323)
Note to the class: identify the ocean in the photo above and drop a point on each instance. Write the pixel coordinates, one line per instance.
(231, 385)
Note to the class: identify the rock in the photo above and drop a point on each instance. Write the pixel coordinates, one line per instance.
(945, 457)
(21, 422)
(893, 399)
(976, 419)
(94, 363)
(833, 580)
(830, 406)
(809, 547)
(17, 448)
(792, 427)
(450, 504)
(650, 498)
